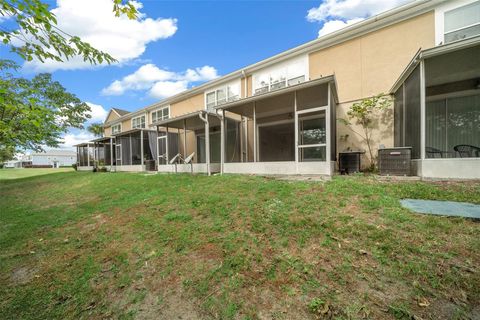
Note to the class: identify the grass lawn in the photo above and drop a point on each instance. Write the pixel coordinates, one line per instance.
(123, 245)
(7, 174)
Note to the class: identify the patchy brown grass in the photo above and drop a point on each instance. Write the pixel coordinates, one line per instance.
(128, 246)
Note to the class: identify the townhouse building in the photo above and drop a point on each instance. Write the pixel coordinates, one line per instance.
(280, 115)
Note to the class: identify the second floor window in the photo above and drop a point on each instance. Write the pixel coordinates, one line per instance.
(138, 122)
(116, 128)
(222, 95)
(160, 114)
(280, 76)
(462, 23)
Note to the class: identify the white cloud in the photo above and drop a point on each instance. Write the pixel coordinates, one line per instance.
(160, 83)
(73, 138)
(337, 14)
(164, 89)
(334, 25)
(97, 113)
(94, 22)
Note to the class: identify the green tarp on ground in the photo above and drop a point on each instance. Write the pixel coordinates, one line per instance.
(443, 208)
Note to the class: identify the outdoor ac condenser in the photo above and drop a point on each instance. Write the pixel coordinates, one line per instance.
(395, 161)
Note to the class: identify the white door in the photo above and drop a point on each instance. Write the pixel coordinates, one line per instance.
(118, 154)
(162, 150)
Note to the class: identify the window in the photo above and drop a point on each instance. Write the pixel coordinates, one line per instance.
(463, 22)
(116, 128)
(138, 122)
(280, 76)
(161, 114)
(228, 93)
(210, 100)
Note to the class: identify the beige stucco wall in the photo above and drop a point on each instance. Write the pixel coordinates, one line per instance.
(126, 125)
(191, 104)
(112, 116)
(249, 85)
(107, 131)
(369, 65)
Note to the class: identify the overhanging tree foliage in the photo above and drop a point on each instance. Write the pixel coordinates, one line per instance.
(35, 33)
(6, 153)
(35, 113)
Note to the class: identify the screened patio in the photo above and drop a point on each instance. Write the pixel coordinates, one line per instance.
(287, 131)
(135, 150)
(103, 152)
(194, 142)
(437, 110)
(85, 156)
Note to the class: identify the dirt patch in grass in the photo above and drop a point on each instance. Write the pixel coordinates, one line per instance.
(173, 304)
(23, 275)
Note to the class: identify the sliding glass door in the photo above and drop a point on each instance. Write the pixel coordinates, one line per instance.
(453, 127)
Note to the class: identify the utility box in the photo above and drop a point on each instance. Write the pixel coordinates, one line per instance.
(395, 161)
(150, 165)
(349, 161)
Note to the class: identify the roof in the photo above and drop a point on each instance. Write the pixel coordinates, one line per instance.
(130, 131)
(303, 85)
(83, 144)
(101, 139)
(120, 112)
(193, 118)
(401, 13)
(55, 152)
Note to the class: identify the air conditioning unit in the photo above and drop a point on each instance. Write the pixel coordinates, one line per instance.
(395, 161)
(349, 161)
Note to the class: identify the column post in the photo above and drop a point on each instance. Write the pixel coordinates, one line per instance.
(296, 125)
(111, 154)
(167, 145)
(207, 144)
(254, 132)
(185, 154)
(141, 148)
(328, 156)
(222, 141)
(422, 110)
(131, 153)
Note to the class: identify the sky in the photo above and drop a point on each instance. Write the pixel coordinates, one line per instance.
(175, 45)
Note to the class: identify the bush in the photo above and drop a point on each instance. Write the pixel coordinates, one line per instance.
(74, 166)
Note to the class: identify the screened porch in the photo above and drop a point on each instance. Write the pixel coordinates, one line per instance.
(103, 152)
(135, 150)
(437, 111)
(85, 156)
(287, 131)
(194, 142)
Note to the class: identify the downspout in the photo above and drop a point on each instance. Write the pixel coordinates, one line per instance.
(207, 140)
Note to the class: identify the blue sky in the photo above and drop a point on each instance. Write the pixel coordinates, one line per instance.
(208, 38)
